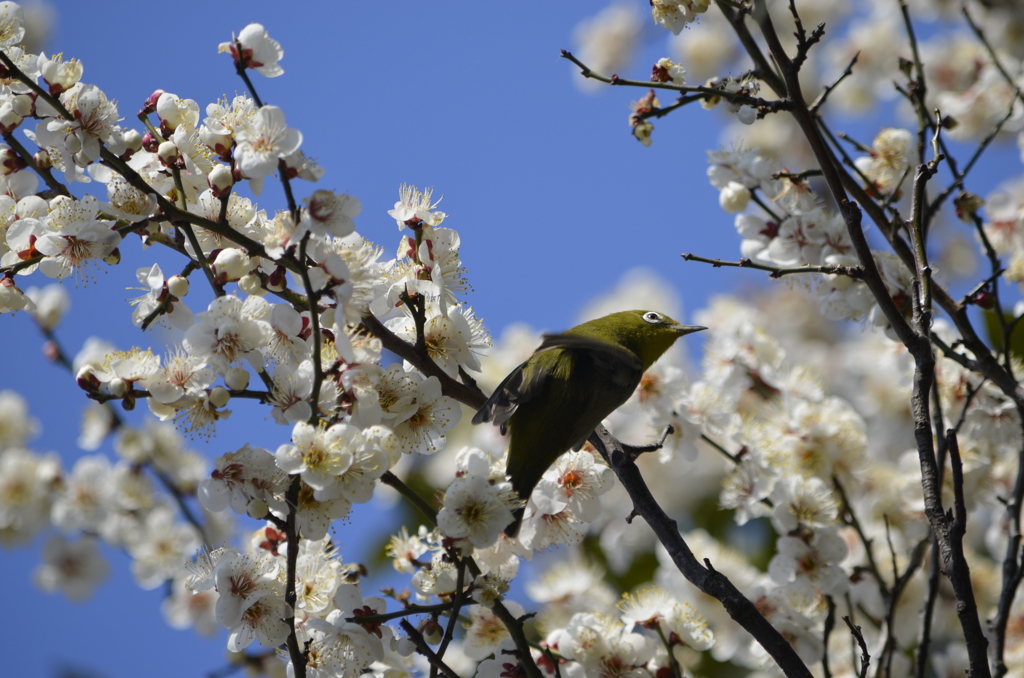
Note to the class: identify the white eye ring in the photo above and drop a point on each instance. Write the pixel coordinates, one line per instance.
(652, 317)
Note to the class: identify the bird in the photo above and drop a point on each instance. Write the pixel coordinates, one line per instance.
(553, 402)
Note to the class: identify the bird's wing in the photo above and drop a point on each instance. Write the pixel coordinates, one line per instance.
(621, 367)
(518, 387)
(620, 371)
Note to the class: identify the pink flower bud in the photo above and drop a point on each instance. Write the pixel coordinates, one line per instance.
(150, 143)
(87, 380)
(10, 161)
(150, 105)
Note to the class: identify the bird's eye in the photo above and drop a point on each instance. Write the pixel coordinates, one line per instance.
(652, 317)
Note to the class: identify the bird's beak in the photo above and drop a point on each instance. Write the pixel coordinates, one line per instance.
(689, 329)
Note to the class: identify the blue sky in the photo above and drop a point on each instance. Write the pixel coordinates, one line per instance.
(553, 199)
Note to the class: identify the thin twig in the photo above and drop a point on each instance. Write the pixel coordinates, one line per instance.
(848, 71)
(865, 656)
(421, 646)
(703, 92)
(855, 272)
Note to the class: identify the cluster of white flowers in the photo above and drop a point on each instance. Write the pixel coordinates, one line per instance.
(97, 500)
(964, 82)
(801, 433)
(791, 227)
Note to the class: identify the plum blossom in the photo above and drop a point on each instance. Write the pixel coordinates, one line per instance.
(339, 647)
(574, 482)
(262, 142)
(224, 334)
(73, 568)
(241, 480)
(675, 14)
(414, 208)
(78, 141)
(173, 311)
(430, 416)
(476, 510)
(330, 212)
(12, 24)
(811, 559)
(254, 48)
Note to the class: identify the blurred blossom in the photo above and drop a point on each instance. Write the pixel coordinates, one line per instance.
(605, 42)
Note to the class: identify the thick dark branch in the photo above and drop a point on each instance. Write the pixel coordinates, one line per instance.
(762, 67)
(1013, 570)
(470, 395)
(955, 564)
(711, 582)
(295, 652)
(850, 212)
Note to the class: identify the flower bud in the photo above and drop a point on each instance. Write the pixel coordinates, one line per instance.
(174, 111)
(220, 143)
(51, 351)
(642, 132)
(150, 142)
(60, 75)
(432, 632)
(747, 115)
(8, 118)
(168, 153)
(967, 205)
(42, 159)
(985, 299)
(133, 140)
(220, 180)
(219, 396)
(117, 387)
(231, 264)
(23, 104)
(257, 508)
(150, 105)
(72, 143)
(177, 285)
(250, 283)
(87, 380)
(114, 258)
(278, 280)
(734, 197)
(237, 378)
(10, 161)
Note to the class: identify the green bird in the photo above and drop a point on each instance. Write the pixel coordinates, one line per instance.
(554, 401)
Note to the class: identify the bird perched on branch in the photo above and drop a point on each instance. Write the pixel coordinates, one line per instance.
(554, 401)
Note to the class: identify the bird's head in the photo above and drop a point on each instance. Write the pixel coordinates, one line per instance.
(648, 334)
